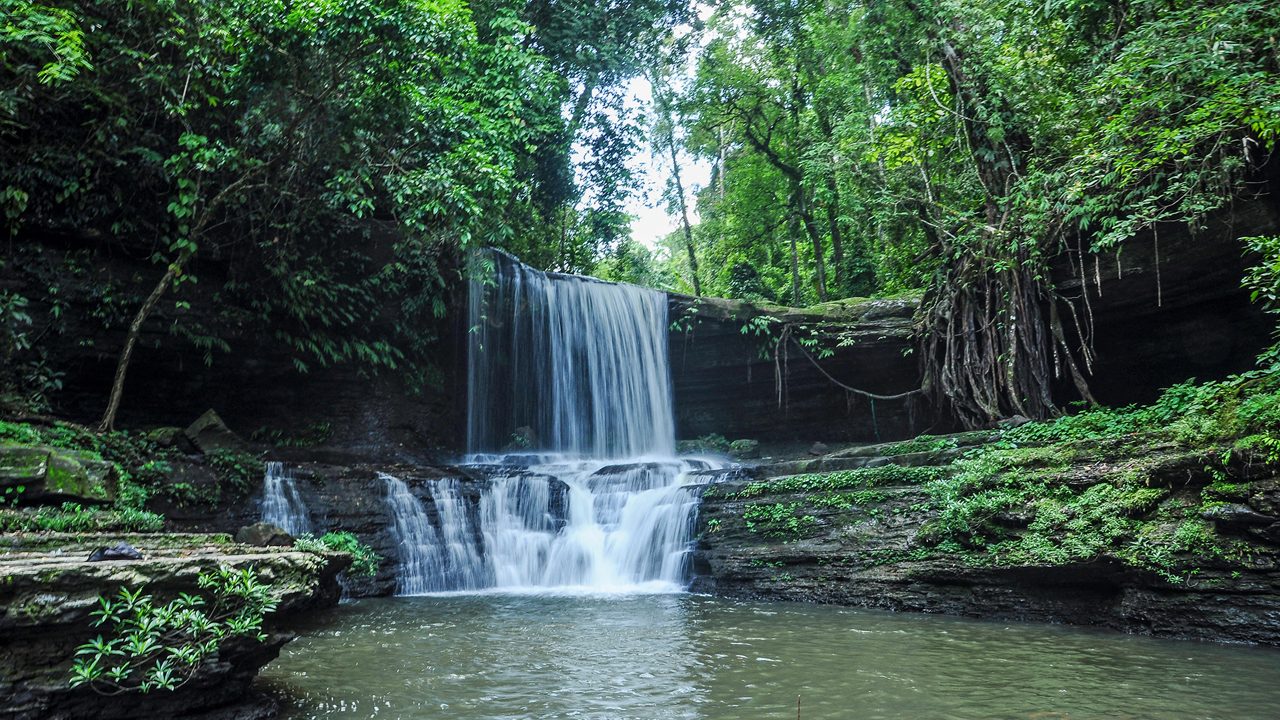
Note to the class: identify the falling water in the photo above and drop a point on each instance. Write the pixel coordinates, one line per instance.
(578, 524)
(570, 424)
(567, 364)
(282, 504)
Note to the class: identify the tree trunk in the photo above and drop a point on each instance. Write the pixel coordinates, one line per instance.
(684, 210)
(833, 229)
(131, 340)
(795, 261)
(811, 229)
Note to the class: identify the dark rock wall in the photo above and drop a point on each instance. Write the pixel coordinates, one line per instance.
(172, 380)
(725, 381)
(339, 496)
(1168, 305)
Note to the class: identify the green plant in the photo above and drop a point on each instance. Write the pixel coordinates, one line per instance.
(920, 444)
(778, 520)
(237, 469)
(150, 646)
(72, 517)
(314, 434)
(364, 561)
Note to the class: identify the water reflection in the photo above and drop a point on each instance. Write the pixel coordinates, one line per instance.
(684, 657)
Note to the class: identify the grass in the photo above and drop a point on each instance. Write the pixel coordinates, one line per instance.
(71, 517)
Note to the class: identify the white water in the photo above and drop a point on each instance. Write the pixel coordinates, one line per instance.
(282, 504)
(572, 375)
(580, 365)
(575, 526)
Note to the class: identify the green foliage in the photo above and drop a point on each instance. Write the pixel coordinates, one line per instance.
(862, 478)
(920, 444)
(1023, 499)
(711, 443)
(364, 561)
(72, 517)
(325, 162)
(310, 436)
(151, 646)
(237, 470)
(1263, 282)
(778, 520)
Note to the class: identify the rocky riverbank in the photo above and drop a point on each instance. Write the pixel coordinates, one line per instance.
(1133, 533)
(50, 590)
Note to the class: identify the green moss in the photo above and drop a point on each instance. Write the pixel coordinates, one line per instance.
(778, 520)
(1096, 484)
(882, 476)
(920, 444)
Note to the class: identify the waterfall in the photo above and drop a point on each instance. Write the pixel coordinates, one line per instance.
(567, 364)
(570, 423)
(580, 525)
(282, 504)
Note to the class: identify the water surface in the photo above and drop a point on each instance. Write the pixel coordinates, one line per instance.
(668, 657)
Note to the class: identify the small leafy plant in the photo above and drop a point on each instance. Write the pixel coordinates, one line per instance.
(160, 647)
(364, 561)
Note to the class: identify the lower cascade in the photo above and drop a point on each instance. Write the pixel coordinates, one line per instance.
(540, 522)
(282, 504)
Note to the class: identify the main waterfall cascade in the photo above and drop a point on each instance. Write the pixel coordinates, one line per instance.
(570, 425)
(282, 504)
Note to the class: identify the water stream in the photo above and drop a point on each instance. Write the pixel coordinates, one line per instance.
(282, 504)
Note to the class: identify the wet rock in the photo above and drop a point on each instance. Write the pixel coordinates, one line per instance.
(208, 433)
(264, 535)
(1235, 516)
(50, 475)
(1013, 422)
(819, 448)
(50, 592)
(119, 551)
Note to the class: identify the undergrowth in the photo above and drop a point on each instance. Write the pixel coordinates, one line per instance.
(1024, 500)
(364, 561)
(72, 517)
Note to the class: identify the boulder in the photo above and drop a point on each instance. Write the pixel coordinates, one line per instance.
(171, 437)
(208, 432)
(50, 593)
(819, 448)
(263, 535)
(1234, 516)
(49, 475)
(119, 551)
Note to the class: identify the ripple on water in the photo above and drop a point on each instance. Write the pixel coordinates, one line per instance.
(674, 657)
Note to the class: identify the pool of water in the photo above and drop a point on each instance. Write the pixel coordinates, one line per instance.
(666, 657)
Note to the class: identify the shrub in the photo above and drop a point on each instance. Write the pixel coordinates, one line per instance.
(364, 561)
(159, 647)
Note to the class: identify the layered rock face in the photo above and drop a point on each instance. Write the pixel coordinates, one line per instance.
(336, 496)
(869, 544)
(733, 375)
(50, 589)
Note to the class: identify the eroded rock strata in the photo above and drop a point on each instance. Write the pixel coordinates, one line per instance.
(830, 537)
(49, 591)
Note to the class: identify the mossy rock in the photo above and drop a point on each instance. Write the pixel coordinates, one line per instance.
(49, 474)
